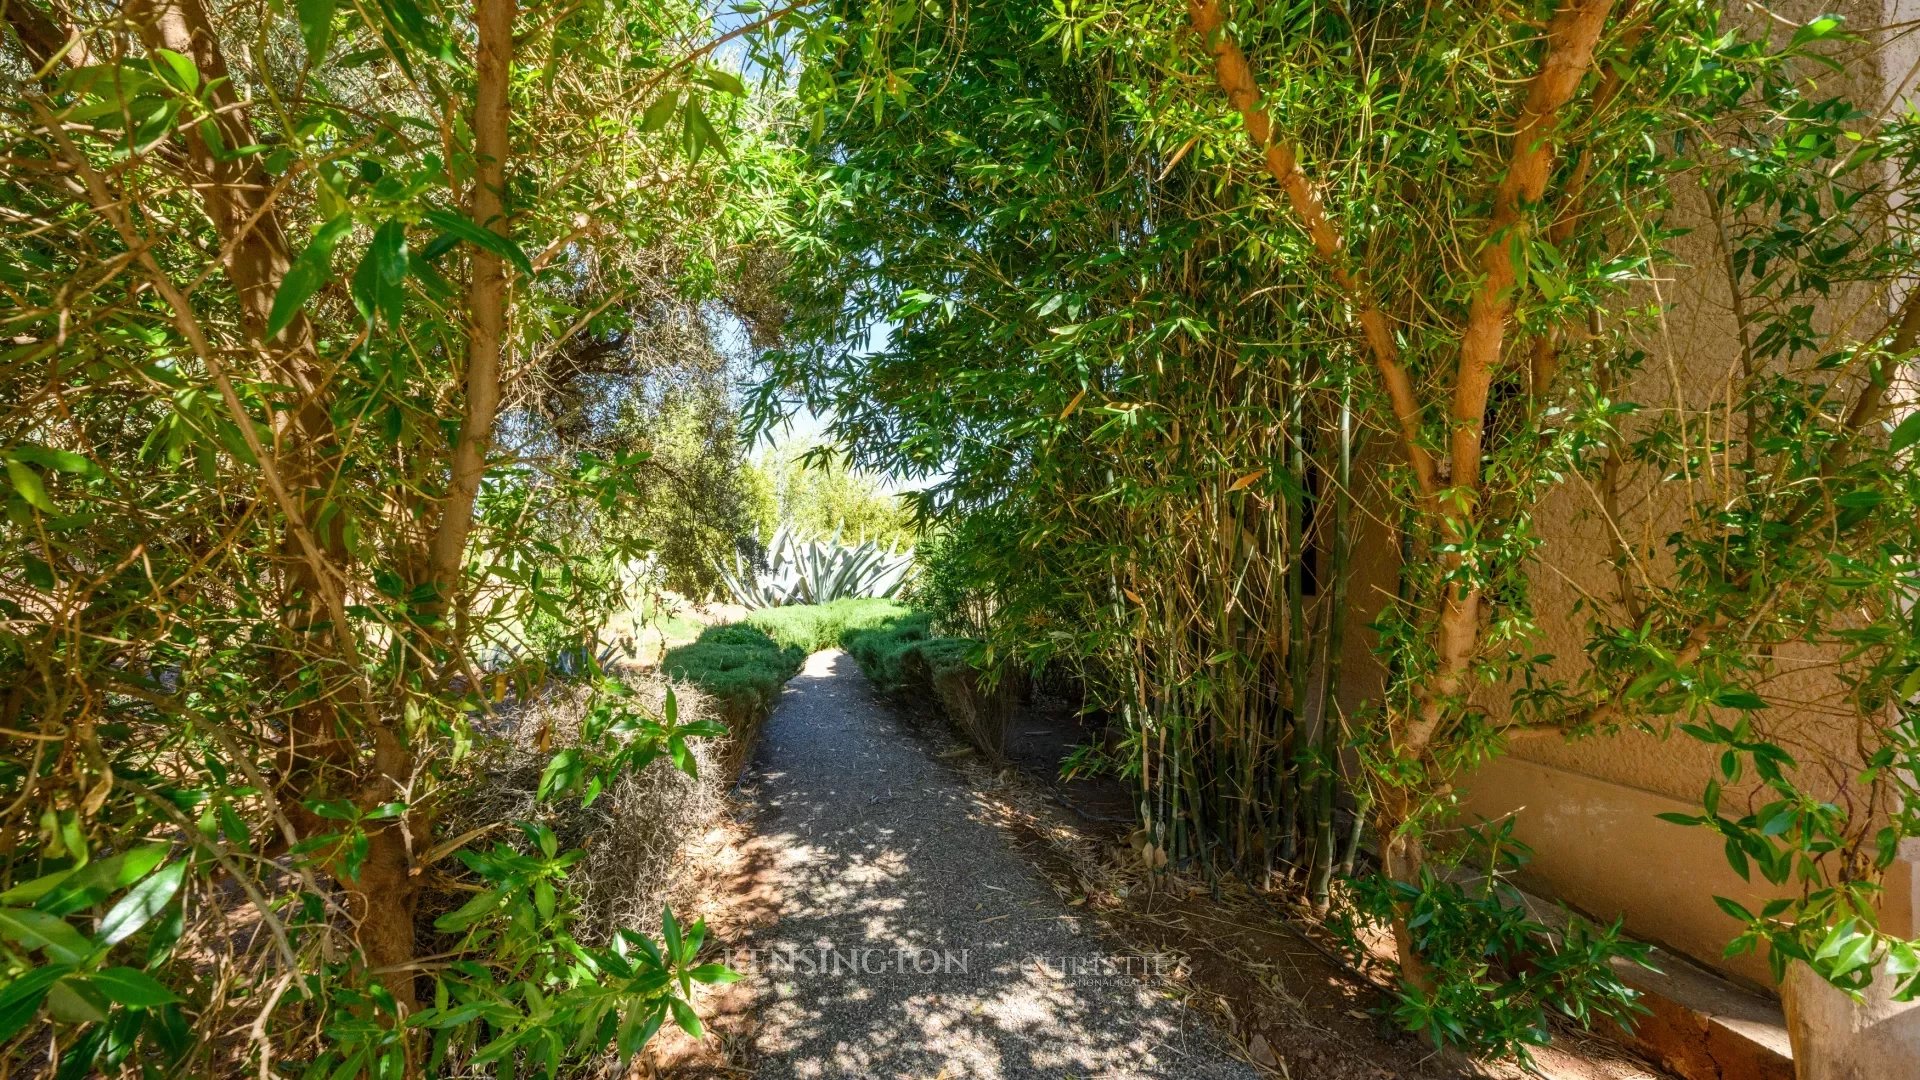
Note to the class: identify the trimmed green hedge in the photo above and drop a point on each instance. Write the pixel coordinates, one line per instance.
(884, 650)
(813, 627)
(738, 664)
(743, 665)
(906, 660)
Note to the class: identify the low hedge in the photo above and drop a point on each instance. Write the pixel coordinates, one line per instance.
(905, 659)
(741, 669)
(813, 627)
(736, 661)
(742, 666)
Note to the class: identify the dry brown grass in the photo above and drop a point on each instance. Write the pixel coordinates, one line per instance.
(637, 834)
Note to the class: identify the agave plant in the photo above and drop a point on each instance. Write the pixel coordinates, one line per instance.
(816, 571)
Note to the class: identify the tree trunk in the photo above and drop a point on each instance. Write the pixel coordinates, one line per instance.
(1402, 858)
(321, 754)
(237, 195)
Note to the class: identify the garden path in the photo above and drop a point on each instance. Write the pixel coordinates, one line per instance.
(909, 939)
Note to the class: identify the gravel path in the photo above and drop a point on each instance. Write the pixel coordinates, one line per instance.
(911, 941)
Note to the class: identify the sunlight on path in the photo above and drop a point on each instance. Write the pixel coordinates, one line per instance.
(911, 942)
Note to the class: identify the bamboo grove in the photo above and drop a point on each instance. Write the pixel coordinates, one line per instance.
(1247, 351)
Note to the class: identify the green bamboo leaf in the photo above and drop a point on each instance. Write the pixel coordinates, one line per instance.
(637, 1028)
(73, 1000)
(28, 891)
(27, 484)
(660, 113)
(723, 80)
(670, 932)
(316, 27)
(1734, 698)
(1733, 909)
(20, 999)
(561, 771)
(65, 461)
(97, 880)
(31, 929)
(416, 28)
(141, 904)
(459, 225)
(378, 282)
(701, 134)
(309, 271)
(1906, 434)
(131, 987)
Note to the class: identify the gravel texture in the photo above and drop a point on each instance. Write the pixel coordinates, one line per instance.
(911, 941)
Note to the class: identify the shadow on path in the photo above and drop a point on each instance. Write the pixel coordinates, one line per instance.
(910, 941)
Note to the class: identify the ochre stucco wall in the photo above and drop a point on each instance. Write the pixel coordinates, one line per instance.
(1588, 807)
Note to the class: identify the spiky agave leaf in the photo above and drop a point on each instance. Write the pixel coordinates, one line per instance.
(816, 572)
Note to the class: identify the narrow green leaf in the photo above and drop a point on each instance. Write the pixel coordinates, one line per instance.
(472, 911)
(97, 880)
(131, 987)
(73, 1001)
(178, 70)
(316, 27)
(309, 271)
(660, 113)
(65, 461)
(28, 891)
(721, 79)
(463, 227)
(1906, 434)
(26, 484)
(1735, 698)
(1733, 909)
(141, 904)
(20, 999)
(684, 1016)
(378, 281)
(38, 930)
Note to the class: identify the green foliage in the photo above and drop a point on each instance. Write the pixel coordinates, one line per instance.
(816, 498)
(1809, 543)
(1498, 972)
(694, 491)
(882, 649)
(544, 996)
(738, 664)
(948, 586)
(812, 627)
(1138, 377)
(950, 675)
(260, 592)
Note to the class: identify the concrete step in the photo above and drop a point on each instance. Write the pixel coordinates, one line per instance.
(1703, 1027)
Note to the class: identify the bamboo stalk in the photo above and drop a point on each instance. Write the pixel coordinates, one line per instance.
(1341, 548)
